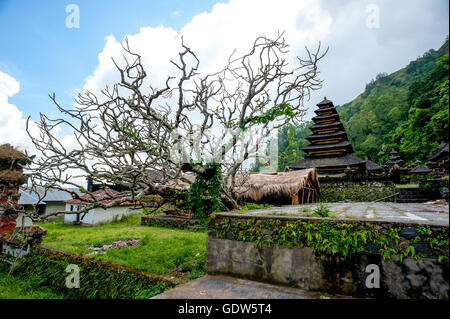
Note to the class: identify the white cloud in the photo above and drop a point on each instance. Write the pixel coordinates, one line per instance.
(12, 123)
(357, 53)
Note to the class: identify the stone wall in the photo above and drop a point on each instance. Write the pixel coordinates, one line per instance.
(174, 222)
(303, 268)
(338, 256)
(359, 191)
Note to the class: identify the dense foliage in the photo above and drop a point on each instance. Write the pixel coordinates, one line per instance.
(204, 194)
(291, 140)
(334, 237)
(407, 110)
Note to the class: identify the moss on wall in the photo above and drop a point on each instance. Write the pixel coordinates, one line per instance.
(337, 237)
(199, 224)
(356, 191)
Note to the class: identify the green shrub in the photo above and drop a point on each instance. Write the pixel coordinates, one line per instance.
(97, 279)
(322, 210)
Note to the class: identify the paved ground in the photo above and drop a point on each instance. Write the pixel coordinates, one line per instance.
(433, 214)
(224, 287)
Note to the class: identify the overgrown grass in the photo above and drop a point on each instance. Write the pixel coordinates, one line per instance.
(12, 287)
(162, 251)
(253, 206)
(407, 185)
(304, 209)
(281, 214)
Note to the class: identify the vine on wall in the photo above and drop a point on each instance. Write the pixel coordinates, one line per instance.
(204, 195)
(334, 238)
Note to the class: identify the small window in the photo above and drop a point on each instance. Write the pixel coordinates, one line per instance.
(71, 208)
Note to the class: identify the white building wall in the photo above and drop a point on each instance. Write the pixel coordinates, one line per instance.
(113, 213)
(23, 220)
(72, 218)
(53, 207)
(99, 215)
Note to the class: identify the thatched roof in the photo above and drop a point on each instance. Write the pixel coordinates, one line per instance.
(440, 151)
(324, 102)
(322, 162)
(328, 109)
(322, 136)
(420, 170)
(372, 166)
(11, 158)
(9, 152)
(13, 176)
(328, 125)
(276, 185)
(327, 146)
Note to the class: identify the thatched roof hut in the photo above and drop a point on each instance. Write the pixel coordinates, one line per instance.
(8, 154)
(292, 187)
(11, 165)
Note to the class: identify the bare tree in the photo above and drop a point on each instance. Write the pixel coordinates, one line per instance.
(147, 142)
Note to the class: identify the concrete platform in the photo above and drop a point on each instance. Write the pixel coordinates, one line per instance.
(224, 287)
(417, 213)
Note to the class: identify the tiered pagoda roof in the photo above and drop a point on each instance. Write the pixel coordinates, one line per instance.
(438, 161)
(330, 150)
(441, 152)
(373, 167)
(394, 159)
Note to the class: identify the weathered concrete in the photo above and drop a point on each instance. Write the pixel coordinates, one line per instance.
(305, 269)
(333, 273)
(224, 287)
(430, 214)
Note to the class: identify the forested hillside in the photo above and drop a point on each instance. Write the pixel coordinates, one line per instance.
(407, 110)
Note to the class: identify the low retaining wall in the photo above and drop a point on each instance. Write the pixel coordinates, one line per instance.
(359, 191)
(97, 279)
(376, 259)
(174, 222)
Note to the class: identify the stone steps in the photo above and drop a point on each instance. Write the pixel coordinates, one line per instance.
(410, 195)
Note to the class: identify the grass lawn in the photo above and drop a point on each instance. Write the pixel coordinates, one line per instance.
(163, 251)
(12, 287)
(407, 186)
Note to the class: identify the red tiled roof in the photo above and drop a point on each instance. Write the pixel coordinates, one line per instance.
(101, 193)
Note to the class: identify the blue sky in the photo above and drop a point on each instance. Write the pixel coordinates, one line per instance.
(45, 56)
(39, 55)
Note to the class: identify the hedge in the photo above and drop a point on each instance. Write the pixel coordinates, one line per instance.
(98, 279)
